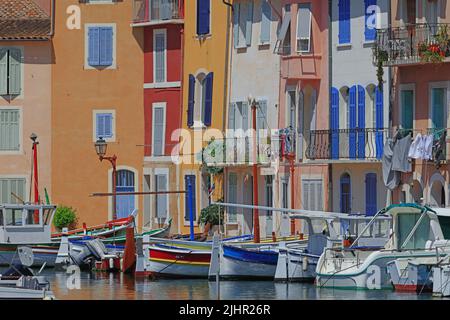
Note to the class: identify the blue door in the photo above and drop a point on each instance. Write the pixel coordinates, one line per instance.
(361, 122)
(352, 122)
(346, 194)
(334, 123)
(379, 136)
(371, 194)
(125, 183)
(189, 179)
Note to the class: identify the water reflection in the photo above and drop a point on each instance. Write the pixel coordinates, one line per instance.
(105, 286)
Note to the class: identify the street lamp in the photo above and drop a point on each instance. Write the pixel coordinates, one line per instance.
(100, 148)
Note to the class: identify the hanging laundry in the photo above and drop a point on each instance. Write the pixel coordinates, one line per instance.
(416, 149)
(400, 159)
(391, 178)
(439, 147)
(428, 147)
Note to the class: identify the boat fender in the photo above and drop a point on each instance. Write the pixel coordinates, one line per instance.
(305, 263)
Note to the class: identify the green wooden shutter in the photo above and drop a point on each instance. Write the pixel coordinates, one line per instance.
(3, 71)
(9, 130)
(407, 97)
(15, 61)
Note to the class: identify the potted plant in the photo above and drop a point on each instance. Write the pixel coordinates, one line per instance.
(211, 217)
(65, 217)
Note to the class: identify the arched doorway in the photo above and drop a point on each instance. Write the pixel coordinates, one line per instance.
(437, 195)
(125, 183)
(417, 192)
(346, 196)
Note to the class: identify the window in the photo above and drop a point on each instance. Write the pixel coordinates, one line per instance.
(200, 100)
(312, 194)
(407, 108)
(292, 109)
(284, 34)
(189, 180)
(10, 186)
(371, 194)
(239, 116)
(9, 130)
(10, 71)
(410, 11)
(100, 46)
(104, 125)
(203, 17)
(266, 20)
(438, 105)
(159, 56)
(125, 183)
(159, 132)
(344, 22)
(285, 193)
(232, 197)
(304, 27)
(162, 200)
(346, 196)
(269, 203)
(163, 9)
(242, 25)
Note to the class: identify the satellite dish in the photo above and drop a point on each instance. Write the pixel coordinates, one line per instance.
(26, 256)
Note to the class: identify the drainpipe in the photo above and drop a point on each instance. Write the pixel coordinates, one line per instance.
(52, 27)
(330, 85)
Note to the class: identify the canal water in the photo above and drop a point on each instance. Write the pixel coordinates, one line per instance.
(103, 286)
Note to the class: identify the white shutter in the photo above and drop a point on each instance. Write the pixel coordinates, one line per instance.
(158, 131)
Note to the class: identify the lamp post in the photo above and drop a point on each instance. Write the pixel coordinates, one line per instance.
(256, 232)
(101, 147)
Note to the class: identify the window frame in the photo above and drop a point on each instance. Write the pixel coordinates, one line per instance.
(163, 106)
(406, 87)
(438, 85)
(200, 36)
(161, 172)
(19, 151)
(164, 33)
(87, 66)
(96, 112)
(22, 71)
(297, 38)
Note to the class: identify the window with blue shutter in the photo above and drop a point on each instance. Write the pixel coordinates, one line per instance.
(352, 122)
(334, 123)
(101, 46)
(10, 186)
(191, 101)
(189, 179)
(208, 87)
(104, 125)
(361, 122)
(379, 112)
(344, 22)
(203, 17)
(125, 183)
(371, 194)
(266, 19)
(346, 194)
(370, 32)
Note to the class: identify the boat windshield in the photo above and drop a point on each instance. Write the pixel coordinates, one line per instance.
(406, 223)
(353, 227)
(13, 217)
(319, 227)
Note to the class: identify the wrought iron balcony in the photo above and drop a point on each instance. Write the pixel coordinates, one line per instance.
(153, 12)
(346, 144)
(412, 44)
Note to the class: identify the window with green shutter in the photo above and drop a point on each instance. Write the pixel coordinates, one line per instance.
(9, 130)
(10, 71)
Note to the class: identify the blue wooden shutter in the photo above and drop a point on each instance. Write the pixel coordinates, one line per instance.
(3, 71)
(334, 119)
(94, 46)
(371, 194)
(191, 179)
(249, 23)
(191, 101)
(208, 99)
(203, 10)
(437, 107)
(346, 194)
(9, 130)
(125, 183)
(236, 11)
(266, 17)
(106, 46)
(370, 33)
(379, 137)
(344, 22)
(361, 122)
(100, 126)
(352, 122)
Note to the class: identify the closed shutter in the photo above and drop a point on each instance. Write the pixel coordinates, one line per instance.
(160, 58)
(305, 195)
(437, 107)
(165, 10)
(232, 196)
(236, 12)
(319, 196)
(249, 24)
(352, 122)
(334, 119)
(3, 71)
(189, 179)
(191, 101)
(261, 115)
(361, 122)
(209, 81)
(106, 46)
(158, 131)
(371, 194)
(9, 186)
(344, 22)
(266, 17)
(379, 136)
(15, 72)
(9, 130)
(407, 97)
(104, 125)
(245, 122)
(203, 17)
(304, 18)
(161, 199)
(94, 46)
(232, 116)
(300, 118)
(370, 32)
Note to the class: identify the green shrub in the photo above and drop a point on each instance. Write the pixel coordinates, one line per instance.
(65, 217)
(211, 214)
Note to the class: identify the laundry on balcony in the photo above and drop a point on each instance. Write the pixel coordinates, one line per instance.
(400, 159)
(422, 147)
(287, 137)
(391, 178)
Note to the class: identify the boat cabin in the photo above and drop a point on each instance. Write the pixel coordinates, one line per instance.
(26, 224)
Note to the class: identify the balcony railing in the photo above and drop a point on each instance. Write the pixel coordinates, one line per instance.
(416, 43)
(346, 144)
(439, 154)
(157, 11)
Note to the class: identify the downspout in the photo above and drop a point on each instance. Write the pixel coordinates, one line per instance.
(330, 85)
(52, 25)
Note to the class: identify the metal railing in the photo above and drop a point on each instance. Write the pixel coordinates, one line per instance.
(157, 10)
(414, 43)
(346, 144)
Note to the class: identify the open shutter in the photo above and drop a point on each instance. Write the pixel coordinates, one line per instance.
(266, 17)
(371, 194)
(161, 202)
(94, 46)
(379, 136)
(3, 71)
(370, 31)
(249, 23)
(334, 123)
(15, 72)
(236, 11)
(344, 22)
(106, 46)
(191, 102)
(208, 99)
(158, 131)
(231, 116)
(203, 17)
(352, 122)
(361, 122)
